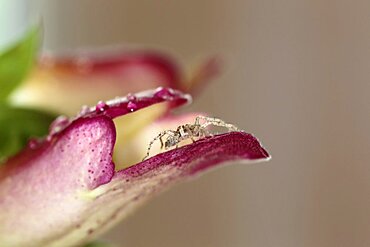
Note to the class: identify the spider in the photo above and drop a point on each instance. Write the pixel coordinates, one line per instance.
(186, 131)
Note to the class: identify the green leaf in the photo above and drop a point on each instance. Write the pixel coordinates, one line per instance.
(16, 62)
(17, 125)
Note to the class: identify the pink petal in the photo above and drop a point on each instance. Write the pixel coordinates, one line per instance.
(63, 84)
(55, 179)
(64, 191)
(113, 65)
(201, 155)
(94, 124)
(132, 186)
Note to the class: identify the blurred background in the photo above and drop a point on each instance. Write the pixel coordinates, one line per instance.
(297, 75)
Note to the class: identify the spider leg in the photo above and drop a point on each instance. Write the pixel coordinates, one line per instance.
(217, 122)
(197, 120)
(181, 130)
(190, 133)
(160, 139)
(159, 136)
(204, 132)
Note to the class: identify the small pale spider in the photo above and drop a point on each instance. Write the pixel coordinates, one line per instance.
(188, 131)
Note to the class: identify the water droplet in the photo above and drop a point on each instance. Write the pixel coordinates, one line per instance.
(131, 97)
(58, 124)
(131, 106)
(33, 143)
(101, 106)
(84, 110)
(164, 93)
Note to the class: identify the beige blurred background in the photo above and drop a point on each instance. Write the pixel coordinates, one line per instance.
(297, 75)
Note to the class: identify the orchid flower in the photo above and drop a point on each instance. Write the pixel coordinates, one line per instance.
(64, 190)
(67, 189)
(63, 84)
(87, 77)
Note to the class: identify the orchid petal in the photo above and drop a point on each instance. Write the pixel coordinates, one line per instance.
(65, 191)
(133, 186)
(63, 84)
(52, 179)
(87, 78)
(84, 78)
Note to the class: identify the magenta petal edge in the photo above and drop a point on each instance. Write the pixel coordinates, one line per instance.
(64, 190)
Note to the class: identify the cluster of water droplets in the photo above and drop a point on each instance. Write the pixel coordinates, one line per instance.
(132, 105)
(131, 100)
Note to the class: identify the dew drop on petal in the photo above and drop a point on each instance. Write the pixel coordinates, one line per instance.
(131, 106)
(101, 106)
(33, 143)
(164, 93)
(131, 97)
(58, 124)
(84, 110)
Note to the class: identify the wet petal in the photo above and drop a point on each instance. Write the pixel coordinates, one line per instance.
(53, 179)
(63, 84)
(65, 190)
